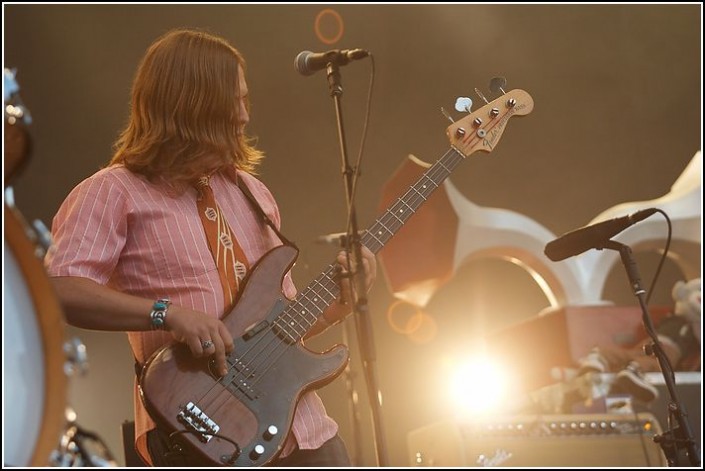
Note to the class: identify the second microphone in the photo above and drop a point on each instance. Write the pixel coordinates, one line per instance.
(307, 62)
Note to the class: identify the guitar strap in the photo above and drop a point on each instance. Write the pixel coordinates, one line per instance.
(258, 209)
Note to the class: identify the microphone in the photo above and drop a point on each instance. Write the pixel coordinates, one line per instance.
(592, 237)
(307, 62)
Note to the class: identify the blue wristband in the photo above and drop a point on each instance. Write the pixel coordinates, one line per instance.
(158, 314)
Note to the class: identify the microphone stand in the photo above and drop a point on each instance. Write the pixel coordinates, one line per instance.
(354, 411)
(679, 437)
(360, 305)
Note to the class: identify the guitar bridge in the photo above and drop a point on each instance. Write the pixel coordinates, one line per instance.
(195, 419)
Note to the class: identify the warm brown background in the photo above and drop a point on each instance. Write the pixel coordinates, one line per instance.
(618, 116)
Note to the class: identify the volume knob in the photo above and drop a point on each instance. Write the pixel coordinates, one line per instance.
(271, 432)
(257, 452)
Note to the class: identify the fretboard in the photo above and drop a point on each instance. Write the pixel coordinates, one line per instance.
(302, 313)
(406, 205)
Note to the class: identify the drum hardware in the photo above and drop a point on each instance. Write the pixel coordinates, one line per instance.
(38, 234)
(43, 235)
(79, 447)
(9, 197)
(14, 108)
(34, 397)
(33, 336)
(14, 113)
(33, 327)
(76, 357)
(17, 144)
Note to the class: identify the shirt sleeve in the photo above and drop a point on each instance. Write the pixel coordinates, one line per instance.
(89, 230)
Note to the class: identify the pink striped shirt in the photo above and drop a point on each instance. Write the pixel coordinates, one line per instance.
(116, 228)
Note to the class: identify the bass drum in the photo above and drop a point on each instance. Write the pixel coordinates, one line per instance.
(35, 386)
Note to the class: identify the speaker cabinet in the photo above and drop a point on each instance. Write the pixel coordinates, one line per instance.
(594, 440)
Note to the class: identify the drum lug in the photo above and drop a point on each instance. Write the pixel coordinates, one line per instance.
(76, 357)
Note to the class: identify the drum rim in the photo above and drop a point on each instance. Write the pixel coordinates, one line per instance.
(51, 324)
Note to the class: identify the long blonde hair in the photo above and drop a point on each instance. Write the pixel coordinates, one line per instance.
(184, 111)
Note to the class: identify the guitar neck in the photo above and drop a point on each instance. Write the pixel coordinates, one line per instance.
(302, 313)
(406, 205)
(478, 131)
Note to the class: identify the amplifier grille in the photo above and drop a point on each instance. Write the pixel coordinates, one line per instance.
(608, 440)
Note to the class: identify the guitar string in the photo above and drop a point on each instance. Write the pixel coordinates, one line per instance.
(248, 358)
(243, 364)
(418, 193)
(438, 166)
(413, 197)
(448, 171)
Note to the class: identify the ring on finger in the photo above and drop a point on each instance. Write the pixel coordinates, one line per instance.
(207, 344)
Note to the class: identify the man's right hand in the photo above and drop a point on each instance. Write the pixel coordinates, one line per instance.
(90, 305)
(204, 335)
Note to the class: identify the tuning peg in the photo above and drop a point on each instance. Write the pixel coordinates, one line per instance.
(445, 113)
(479, 93)
(463, 103)
(497, 84)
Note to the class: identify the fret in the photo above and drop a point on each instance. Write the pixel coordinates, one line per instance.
(377, 228)
(423, 197)
(305, 312)
(328, 292)
(408, 206)
(380, 236)
(373, 245)
(434, 185)
(395, 216)
(312, 302)
(292, 320)
(440, 164)
(393, 224)
(286, 329)
(294, 338)
(375, 237)
(389, 231)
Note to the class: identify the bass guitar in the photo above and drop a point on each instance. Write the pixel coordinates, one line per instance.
(243, 418)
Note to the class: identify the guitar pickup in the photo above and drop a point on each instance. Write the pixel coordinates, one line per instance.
(197, 420)
(251, 332)
(239, 385)
(255, 330)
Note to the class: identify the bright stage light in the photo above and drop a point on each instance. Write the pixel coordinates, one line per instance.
(478, 387)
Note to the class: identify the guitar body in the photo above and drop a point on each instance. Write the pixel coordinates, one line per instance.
(268, 374)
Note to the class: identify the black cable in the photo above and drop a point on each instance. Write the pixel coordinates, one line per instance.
(356, 171)
(233, 456)
(663, 256)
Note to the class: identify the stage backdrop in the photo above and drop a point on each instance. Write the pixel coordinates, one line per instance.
(617, 117)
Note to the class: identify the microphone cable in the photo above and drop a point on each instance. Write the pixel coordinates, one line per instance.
(663, 255)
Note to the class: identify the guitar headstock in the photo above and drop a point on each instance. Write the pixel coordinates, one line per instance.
(482, 129)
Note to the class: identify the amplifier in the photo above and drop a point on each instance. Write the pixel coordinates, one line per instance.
(582, 440)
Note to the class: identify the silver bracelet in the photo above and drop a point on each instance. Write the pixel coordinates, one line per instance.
(158, 314)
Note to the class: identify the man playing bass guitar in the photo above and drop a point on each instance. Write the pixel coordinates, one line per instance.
(161, 242)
